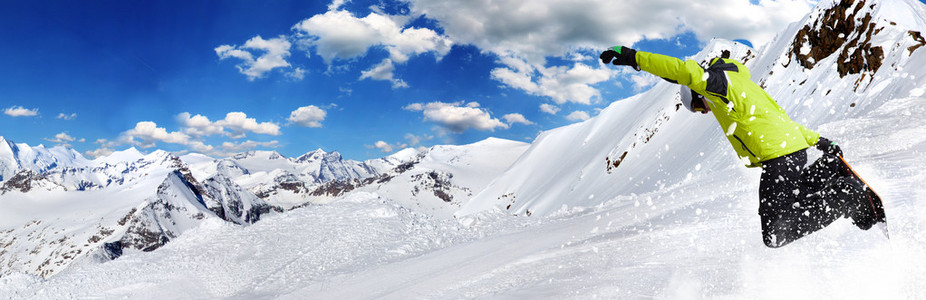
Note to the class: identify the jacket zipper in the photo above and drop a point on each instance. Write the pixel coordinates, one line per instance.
(744, 146)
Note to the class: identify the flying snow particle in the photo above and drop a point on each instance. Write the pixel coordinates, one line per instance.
(731, 129)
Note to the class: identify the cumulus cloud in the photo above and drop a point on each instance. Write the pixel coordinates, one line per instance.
(308, 116)
(386, 147)
(578, 116)
(64, 139)
(146, 134)
(384, 71)
(240, 123)
(560, 83)
(516, 119)
(98, 152)
(543, 28)
(106, 148)
(19, 111)
(643, 80)
(411, 141)
(458, 117)
(193, 130)
(237, 122)
(149, 132)
(533, 31)
(272, 54)
(338, 34)
(198, 125)
(550, 109)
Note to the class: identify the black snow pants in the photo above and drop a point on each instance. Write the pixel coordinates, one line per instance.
(796, 199)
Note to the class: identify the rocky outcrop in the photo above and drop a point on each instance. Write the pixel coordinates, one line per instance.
(840, 27)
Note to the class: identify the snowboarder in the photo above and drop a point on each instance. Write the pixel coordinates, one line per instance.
(795, 198)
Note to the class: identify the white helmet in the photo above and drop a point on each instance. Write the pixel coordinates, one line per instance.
(688, 98)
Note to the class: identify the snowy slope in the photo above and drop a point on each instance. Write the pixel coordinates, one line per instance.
(444, 178)
(676, 218)
(658, 143)
(653, 140)
(58, 208)
(15, 157)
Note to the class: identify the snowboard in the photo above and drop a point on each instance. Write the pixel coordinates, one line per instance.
(874, 201)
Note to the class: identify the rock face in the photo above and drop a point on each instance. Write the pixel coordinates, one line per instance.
(848, 26)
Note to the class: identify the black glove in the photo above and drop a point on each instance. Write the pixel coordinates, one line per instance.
(828, 147)
(621, 56)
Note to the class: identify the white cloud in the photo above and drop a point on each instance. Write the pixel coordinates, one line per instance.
(550, 109)
(516, 119)
(542, 28)
(384, 71)
(515, 79)
(104, 150)
(561, 84)
(532, 31)
(308, 116)
(642, 80)
(457, 118)
(578, 116)
(64, 139)
(149, 132)
(99, 152)
(240, 123)
(66, 117)
(296, 74)
(386, 147)
(198, 125)
(237, 122)
(146, 134)
(337, 4)
(19, 111)
(411, 139)
(273, 55)
(338, 34)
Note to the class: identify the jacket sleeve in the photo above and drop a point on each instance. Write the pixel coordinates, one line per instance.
(687, 72)
(812, 137)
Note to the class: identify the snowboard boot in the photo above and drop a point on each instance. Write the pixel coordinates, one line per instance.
(857, 205)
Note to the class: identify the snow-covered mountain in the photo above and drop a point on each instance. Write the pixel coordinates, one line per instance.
(14, 157)
(641, 201)
(59, 208)
(845, 60)
(129, 200)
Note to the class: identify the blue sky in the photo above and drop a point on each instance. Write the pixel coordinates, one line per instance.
(365, 78)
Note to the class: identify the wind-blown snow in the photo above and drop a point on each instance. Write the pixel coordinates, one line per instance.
(676, 218)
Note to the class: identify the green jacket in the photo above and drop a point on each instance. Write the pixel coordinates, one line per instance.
(755, 125)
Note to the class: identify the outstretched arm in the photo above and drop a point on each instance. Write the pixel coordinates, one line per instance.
(687, 73)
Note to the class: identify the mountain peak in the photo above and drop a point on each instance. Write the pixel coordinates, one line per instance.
(315, 155)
